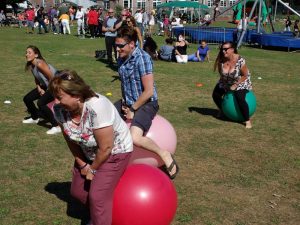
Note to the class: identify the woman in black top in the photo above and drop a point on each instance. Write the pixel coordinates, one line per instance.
(180, 49)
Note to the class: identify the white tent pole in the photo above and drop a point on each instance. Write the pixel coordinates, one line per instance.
(275, 11)
(289, 7)
(245, 8)
(244, 31)
(259, 17)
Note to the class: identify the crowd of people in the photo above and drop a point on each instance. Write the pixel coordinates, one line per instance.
(93, 128)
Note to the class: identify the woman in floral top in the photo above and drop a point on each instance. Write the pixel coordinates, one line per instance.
(99, 140)
(234, 76)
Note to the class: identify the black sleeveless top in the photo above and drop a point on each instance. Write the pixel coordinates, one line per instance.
(182, 49)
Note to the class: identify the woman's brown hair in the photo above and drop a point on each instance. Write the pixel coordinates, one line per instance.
(220, 57)
(71, 83)
(132, 20)
(36, 51)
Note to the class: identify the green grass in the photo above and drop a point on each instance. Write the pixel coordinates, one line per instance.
(228, 174)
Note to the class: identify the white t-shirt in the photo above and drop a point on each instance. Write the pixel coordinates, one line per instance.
(98, 112)
(79, 15)
(138, 17)
(207, 17)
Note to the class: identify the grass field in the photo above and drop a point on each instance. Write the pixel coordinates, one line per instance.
(228, 175)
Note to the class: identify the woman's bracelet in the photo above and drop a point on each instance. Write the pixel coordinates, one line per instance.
(82, 167)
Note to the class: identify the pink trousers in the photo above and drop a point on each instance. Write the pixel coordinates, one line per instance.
(97, 194)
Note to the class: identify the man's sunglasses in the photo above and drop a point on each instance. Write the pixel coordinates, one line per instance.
(121, 45)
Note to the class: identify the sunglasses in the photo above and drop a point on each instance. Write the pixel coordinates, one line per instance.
(128, 21)
(121, 45)
(225, 49)
(110, 12)
(65, 76)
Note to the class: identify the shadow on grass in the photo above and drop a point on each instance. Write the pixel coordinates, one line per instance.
(115, 78)
(44, 123)
(74, 208)
(208, 112)
(113, 66)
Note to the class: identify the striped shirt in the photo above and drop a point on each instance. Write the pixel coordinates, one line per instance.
(131, 71)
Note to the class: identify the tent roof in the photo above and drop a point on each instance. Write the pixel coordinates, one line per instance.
(83, 3)
(181, 4)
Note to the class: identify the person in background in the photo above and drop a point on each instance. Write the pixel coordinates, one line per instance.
(145, 22)
(43, 73)
(241, 26)
(2, 18)
(296, 29)
(21, 19)
(80, 22)
(288, 24)
(100, 22)
(216, 11)
(98, 139)
(234, 76)
(92, 21)
(132, 24)
(110, 35)
(166, 51)
(30, 20)
(206, 19)
(138, 16)
(122, 20)
(56, 25)
(180, 49)
(176, 22)
(40, 16)
(65, 21)
(47, 22)
(202, 53)
(71, 14)
(139, 96)
(151, 22)
(166, 25)
(150, 47)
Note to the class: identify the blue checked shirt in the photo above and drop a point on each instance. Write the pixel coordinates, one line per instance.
(131, 71)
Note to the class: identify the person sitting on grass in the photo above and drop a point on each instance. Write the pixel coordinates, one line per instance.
(150, 47)
(234, 76)
(202, 53)
(180, 49)
(166, 52)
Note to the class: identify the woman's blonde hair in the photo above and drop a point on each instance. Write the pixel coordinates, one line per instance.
(71, 83)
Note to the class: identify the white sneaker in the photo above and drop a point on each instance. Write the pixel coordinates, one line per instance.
(54, 130)
(31, 121)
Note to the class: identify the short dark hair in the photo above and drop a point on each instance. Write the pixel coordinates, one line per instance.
(128, 33)
(169, 40)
